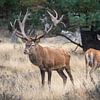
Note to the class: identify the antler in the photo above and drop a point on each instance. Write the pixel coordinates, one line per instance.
(47, 26)
(22, 25)
(13, 24)
(55, 19)
(14, 28)
(37, 37)
(31, 30)
(40, 36)
(48, 29)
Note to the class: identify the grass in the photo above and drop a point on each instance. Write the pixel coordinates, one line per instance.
(20, 80)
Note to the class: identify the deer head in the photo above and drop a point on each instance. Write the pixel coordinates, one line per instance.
(29, 40)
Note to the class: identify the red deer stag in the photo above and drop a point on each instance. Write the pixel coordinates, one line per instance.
(47, 59)
(92, 59)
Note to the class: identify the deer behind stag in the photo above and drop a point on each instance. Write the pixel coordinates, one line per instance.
(46, 58)
(92, 59)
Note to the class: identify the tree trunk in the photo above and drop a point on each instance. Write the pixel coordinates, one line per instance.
(89, 39)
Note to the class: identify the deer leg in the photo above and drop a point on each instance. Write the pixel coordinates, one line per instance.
(90, 73)
(86, 71)
(63, 76)
(70, 75)
(42, 77)
(86, 68)
(92, 70)
(96, 66)
(49, 78)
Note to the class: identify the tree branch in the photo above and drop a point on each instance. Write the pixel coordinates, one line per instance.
(70, 40)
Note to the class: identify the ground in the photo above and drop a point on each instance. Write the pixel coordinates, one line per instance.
(20, 80)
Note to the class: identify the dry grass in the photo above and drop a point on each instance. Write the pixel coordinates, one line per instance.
(20, 80)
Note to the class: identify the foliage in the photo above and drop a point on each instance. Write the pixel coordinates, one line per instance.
(76, 12)
(10, 4)
(2, 2)
(32, 3)
(80, 12)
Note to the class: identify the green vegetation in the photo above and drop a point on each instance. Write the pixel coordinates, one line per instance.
(77, 12)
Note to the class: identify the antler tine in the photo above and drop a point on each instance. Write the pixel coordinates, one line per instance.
(40, 36)
(18, 34)
(63, 24)
(11, 24)
(56, 14)
(49, 29)
(60, 19)
(22, 24)
(22, 28)
(31, 30)
(34, 38)
(55, 20)
(26, 16)
(19, 16)
(51, 15)
(15, 22)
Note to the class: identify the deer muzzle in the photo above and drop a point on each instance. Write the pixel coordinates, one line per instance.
(26, 51)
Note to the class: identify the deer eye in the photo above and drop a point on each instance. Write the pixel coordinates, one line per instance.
(28, 45)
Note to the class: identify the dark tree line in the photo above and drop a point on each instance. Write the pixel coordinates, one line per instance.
(77, 13)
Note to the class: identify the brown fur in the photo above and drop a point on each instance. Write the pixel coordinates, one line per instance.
(92, 59)
(49, 59)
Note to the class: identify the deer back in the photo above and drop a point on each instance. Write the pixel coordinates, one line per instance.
(49, 57)
(92, 56)
(56, 58)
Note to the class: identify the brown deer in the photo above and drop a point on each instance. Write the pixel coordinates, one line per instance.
(92, 59)
(46, 58)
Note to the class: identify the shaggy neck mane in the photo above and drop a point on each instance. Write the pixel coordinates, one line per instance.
(35, 53)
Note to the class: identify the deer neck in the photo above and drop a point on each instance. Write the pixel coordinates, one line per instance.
(34, 55)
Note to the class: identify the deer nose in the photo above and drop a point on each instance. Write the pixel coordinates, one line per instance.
(26, 51)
